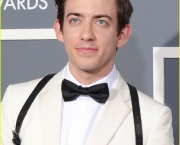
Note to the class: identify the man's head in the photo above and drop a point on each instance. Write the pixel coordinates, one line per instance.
(124, 11)
(88, 29)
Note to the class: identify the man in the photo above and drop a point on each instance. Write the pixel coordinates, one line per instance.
(91, 30)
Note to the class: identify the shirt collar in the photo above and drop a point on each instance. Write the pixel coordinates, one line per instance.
(109, 79)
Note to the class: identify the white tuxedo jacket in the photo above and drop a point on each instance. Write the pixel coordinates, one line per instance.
(115, 125)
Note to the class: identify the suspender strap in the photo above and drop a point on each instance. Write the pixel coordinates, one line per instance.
(16, 140)
(135, 105)
(136, 115)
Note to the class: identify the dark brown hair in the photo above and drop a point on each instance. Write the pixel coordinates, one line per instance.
(124, 11)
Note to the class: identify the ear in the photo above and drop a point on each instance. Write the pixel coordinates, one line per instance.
(124, 35)
(57, 30)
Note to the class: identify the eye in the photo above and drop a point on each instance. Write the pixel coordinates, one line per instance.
(101, 22)
(74, 20)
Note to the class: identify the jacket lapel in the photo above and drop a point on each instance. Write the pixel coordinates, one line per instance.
(50, 110)
(113, 114)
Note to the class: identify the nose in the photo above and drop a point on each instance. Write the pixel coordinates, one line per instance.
(87, 33)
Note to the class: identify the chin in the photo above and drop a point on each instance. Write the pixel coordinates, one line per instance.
(89, 69)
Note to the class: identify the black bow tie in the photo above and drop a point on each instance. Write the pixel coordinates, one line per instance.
(71, 91)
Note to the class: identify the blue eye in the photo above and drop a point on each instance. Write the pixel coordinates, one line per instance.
(74, 20)
(102, 22)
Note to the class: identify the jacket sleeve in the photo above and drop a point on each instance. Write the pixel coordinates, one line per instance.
(162, 132)
(8, 123)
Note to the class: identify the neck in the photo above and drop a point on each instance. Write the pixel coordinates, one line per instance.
(89, 77)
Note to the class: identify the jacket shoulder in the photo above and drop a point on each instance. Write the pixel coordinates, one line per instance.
(149, 102)
(24, 88)
(18, 93)
(152, 111)
(156, 120)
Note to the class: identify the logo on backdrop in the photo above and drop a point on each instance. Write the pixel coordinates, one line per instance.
(24, 4)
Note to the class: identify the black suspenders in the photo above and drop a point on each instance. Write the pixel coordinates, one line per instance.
(135, 105)
(16, 140)
(136, 115)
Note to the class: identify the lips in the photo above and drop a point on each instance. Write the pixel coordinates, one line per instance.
(87, 49)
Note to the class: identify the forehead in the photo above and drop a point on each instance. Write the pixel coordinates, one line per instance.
(91, 7)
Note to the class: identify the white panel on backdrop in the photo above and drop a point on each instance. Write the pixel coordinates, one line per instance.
(159, 54)
(27, 34)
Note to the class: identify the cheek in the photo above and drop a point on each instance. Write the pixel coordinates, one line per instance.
(109, 42)
(70, 36)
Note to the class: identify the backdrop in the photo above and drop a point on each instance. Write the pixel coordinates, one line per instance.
(27, 57)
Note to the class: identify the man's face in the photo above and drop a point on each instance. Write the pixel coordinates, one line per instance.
(90, 34)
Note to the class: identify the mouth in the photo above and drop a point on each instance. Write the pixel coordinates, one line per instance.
(87, 50)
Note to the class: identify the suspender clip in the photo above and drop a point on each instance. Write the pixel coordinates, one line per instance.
(16, 140)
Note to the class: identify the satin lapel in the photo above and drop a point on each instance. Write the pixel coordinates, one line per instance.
(50, 110)
(112, 116)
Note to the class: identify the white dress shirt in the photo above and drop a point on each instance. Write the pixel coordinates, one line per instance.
(79, 116)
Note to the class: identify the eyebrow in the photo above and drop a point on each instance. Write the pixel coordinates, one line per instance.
(75, 14)
(96, 16)
(103, 15)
